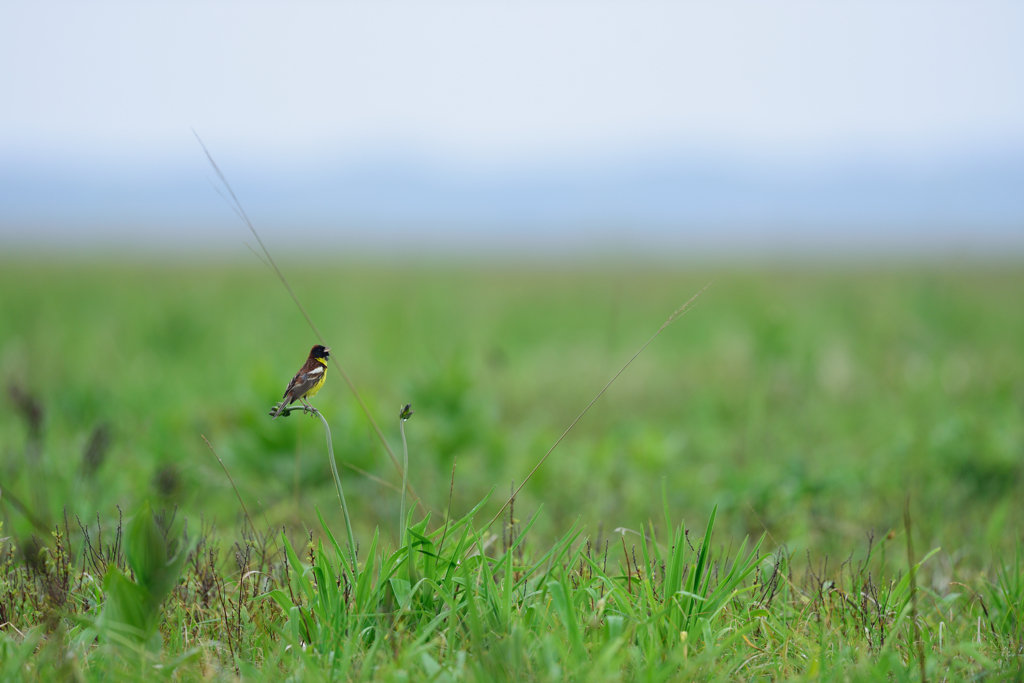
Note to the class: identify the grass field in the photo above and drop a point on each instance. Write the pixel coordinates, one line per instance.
(799, 404)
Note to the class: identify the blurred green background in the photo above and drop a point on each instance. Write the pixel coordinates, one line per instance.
(803, 401)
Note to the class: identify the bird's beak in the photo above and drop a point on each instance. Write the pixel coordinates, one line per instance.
(327, 350)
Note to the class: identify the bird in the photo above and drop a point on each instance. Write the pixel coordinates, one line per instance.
(307, 381)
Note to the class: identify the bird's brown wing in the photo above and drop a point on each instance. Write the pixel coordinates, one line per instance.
(300, 385)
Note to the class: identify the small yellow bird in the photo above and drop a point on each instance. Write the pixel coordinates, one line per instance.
(307, 381)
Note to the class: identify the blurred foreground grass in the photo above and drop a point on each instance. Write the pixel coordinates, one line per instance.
(805, 402)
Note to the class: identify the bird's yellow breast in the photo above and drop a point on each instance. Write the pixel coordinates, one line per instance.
(316, 387)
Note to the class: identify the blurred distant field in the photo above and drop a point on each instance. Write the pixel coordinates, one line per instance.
(805, 402)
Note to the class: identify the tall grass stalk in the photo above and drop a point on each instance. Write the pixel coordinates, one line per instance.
(341, 495)
(402, 417)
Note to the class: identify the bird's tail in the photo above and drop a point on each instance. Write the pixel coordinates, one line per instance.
(278, 409)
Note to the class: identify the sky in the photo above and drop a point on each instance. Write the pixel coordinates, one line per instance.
(516, 123)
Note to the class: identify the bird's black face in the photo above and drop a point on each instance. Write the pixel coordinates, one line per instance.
(320, 351)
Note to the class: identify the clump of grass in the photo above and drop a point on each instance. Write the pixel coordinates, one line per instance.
(671, 606)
